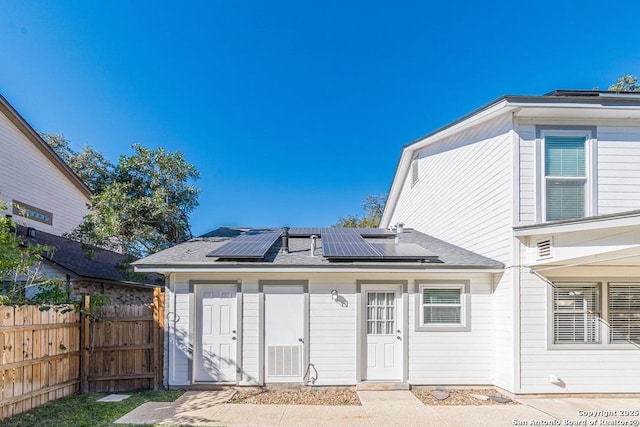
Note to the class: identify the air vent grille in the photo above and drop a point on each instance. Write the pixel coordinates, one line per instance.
(544, 247)
(284, 360)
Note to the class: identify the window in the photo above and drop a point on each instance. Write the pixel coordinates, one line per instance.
(576, 313)
(442, 307)
(605, 313)
(32, 212)
(381, 313)
(565, 177)
(624, 312)
(415, 172)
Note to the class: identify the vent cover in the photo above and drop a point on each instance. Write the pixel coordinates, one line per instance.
(284, 360)
(543, 247)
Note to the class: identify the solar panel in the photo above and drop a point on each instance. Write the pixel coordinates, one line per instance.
(403, 251)
(346, 243)
(253, 244)
(375, 232)
(305, 231)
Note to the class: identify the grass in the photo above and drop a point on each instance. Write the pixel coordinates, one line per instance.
(83, 410)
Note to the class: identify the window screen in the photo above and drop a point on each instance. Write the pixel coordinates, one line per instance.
(565, 177)
(576, 313)
(442, 305)
(624, 312)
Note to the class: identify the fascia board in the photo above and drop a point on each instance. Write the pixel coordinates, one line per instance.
(589, 224)
(307, 270)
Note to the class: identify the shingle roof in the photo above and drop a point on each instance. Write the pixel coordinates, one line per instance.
(194, 251)
(101, 264)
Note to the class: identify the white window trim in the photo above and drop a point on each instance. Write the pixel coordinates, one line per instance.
(589, 169)
(465, 306)
(605, 336)
(415, 172)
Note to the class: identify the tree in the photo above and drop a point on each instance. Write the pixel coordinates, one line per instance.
(144, 205)
(626, 83)
(373, 205)
(20, 278)
(91, 166)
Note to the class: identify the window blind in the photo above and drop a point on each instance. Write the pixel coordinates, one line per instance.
(565, 177)
(564, 156)
(624, 312)
(442, 305)
(576, 313)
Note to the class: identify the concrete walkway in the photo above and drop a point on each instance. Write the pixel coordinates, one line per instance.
(379, 408)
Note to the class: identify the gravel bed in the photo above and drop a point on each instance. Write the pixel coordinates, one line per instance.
(333, 397)
(460, 397)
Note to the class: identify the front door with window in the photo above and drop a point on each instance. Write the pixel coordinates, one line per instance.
(383, 331)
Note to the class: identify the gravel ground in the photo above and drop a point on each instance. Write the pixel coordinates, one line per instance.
(298, 397)
(460, 397)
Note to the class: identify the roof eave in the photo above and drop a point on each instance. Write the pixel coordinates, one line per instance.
(37, 140)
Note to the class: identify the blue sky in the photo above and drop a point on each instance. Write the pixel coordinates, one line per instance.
(293, 111)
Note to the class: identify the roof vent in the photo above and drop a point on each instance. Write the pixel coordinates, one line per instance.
(543, 248)
(285, 240)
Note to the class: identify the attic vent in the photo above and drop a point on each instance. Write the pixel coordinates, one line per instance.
(544, 248)
(284, 360)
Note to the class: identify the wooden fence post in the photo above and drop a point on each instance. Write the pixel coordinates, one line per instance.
(85, 342)
(158, 337)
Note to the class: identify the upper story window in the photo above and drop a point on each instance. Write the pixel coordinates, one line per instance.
(415, 172)
(32, 212)
(565, 182)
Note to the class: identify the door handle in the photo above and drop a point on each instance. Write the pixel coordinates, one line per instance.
(300, 340)
(233, 338)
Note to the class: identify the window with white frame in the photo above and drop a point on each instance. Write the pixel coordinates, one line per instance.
(442, 306)
(624, 312)
(565, 176)
(415, 172)
(576, 313)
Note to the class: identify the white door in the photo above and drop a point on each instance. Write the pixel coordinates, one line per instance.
(215, 355)
(283, 333)
(383, 320)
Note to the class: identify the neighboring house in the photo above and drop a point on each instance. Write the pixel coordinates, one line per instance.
(51, 197)
(47, 198)
(549, 186)
(91, 271)
(332, 309)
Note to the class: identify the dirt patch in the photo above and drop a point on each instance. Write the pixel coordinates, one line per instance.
(460, 397)
(333, 397)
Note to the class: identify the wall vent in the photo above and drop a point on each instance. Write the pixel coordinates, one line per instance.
(284, 360)
(543, 248)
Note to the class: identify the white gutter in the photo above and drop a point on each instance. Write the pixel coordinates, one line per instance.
(196, 269)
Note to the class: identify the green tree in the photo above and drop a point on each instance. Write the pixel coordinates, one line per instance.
(373, 205)
(145, 204)
(626, 83)
(20, 263)
(91, 166)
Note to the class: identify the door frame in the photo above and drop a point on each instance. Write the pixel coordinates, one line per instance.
(261, 320)
(361, 329)
(193, 324)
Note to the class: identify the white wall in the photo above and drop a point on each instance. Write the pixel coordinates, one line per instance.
(434, 357)
(464, 193)
(456, 357)
(617, 174)
(28, 176)
(602, 370)
(618, 169)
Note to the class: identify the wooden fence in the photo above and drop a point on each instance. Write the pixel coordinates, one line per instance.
(46, 355)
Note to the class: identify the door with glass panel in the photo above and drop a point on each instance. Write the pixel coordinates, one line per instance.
(382, 326)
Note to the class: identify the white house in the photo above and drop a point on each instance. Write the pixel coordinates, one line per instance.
(515, 264)
(50, 196)
(549, 186)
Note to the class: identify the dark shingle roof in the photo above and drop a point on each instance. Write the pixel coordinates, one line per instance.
(194, 251)
(98, 264)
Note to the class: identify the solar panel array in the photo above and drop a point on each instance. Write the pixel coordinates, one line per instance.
(254, 243)
(337, 244)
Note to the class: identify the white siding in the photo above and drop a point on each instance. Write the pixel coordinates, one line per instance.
(28, 176)
(618, 169)
(464, 193)
(502, 332)
(250, 320)
(457, 357)
(602, 370)
(333, 331)
(178, 316)
(527, 175)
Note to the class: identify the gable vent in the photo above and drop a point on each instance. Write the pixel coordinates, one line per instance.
(544, 248)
